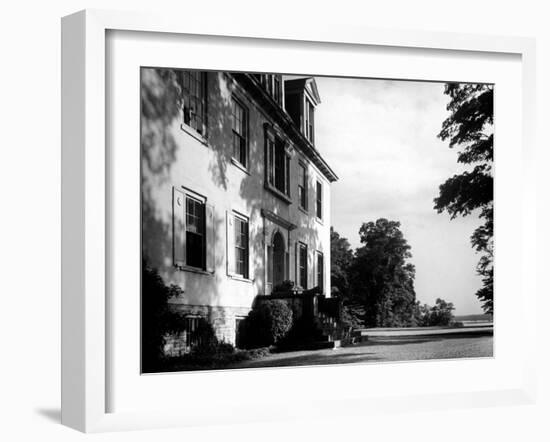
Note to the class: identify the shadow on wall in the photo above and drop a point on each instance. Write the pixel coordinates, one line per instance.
(220, 137)
(219, 127)
(162, 146)
(161, 117)
(159, 112)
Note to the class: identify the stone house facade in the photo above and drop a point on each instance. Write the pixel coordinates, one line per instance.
(235, 196)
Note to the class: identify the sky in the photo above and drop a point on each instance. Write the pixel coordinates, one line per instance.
(380, 137)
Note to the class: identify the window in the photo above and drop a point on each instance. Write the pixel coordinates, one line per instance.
(320, 271)
(191, 330)
(271, 83)
(241, 246)
(277, 88)
(240, 132)
(302, 265)
(280, 169)
(300, 98)
(194, 233)
(193, 97)
(319, 200)
(238, 245)
(302, 186)
(278, 165)
(192, 229)
(269, 265)
(270, 162)
(308, 117)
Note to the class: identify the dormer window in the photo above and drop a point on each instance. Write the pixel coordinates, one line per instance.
(301, 98)
(308, 124)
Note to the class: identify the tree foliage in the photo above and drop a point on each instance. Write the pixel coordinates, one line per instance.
(441, 314)
(341, 257)
(158, 319)
(376, 282)
(381, 278)
(469, 128)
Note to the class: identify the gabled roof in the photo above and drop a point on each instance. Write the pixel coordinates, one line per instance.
(282, 118)
(306, 83)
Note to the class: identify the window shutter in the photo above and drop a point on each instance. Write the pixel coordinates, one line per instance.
(230, 239)
(210, 238)
(320, 200)
(308, 268)
(269, 264)
(314, 268)
(297, 264)
(271, 163)
(310, 278)
(248, 253)
(178, 227)
(287, 266)
(321, 272)
(287, 175)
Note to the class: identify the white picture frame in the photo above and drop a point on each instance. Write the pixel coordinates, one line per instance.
(85, 209)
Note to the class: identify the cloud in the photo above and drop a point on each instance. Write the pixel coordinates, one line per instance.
(380, 137)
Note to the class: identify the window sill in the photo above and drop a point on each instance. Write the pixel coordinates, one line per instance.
(278, 193)
(197, 136)
(194, 270)
(240, 279)
(303, 210)
(239, 166)
(319, 220)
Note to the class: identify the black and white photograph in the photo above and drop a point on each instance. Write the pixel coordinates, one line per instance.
(299, 220)
(232, 221)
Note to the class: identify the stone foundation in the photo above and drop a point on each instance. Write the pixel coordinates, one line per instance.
(222, 319)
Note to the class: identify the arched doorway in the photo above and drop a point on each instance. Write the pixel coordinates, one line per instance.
(278, 259)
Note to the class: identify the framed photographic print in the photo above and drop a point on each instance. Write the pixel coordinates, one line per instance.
(251, 216)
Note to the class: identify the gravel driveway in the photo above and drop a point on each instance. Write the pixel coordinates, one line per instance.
(406, 348)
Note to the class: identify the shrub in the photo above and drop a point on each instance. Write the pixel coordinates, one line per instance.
(204, 335)
(215, 355)
(257, 353)
(157, 318)
(304, 330)
(351, 316)
(284, 287)
(224, 357)
(215, 350)
(314, 291)
(209, 351)
(267, 323)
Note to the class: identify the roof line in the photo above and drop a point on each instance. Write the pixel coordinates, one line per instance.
(288, 126)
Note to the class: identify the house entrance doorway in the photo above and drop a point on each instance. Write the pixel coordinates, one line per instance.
(278, 259)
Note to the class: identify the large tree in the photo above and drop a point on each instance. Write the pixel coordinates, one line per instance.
(341, 260)
(441, 314)
(381, 278)
(469, 129)
(341, 257)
